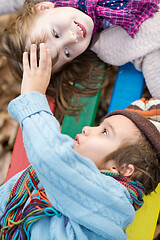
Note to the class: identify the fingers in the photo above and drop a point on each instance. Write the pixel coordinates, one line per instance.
(45, 61)
(49, 61)
(43, 56)
(36, 78)
(33, 57)
(25, 61)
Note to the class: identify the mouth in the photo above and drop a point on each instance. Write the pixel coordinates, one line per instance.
(81, 29)
(77, 139)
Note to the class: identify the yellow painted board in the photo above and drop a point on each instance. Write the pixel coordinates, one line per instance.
(144, 224)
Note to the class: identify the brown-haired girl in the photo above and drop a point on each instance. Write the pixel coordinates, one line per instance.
(67, 30)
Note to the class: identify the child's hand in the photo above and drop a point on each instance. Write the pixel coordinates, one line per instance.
(36, 78)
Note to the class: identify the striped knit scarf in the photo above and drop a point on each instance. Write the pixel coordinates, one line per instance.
(136, 189)
(18, 218)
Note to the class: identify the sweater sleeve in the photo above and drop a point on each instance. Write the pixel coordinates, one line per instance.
(151, 72)
(72, 183)
(114, 46)
(150, 66)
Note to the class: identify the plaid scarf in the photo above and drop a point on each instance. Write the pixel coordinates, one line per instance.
(128, 14)
(18, 218)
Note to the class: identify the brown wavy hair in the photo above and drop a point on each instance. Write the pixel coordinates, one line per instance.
(63, 86)
(143, 157)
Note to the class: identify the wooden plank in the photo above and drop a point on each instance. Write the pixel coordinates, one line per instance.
(128, 87)
(144, 224)
(72, 126)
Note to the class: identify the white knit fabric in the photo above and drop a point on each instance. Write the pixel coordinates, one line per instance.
(11, 6)
(151, 71)
(116, 47)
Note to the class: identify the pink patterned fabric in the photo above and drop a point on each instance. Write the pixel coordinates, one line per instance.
(129, 14)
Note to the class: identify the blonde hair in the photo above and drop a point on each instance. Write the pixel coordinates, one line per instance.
(143, 157)
(62, 85)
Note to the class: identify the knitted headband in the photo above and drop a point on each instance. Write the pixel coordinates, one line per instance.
(145, 114)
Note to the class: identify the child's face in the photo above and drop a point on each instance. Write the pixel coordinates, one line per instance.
(96, 143)
(68, 32)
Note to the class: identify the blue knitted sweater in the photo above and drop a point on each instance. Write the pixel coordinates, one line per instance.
(96, 206)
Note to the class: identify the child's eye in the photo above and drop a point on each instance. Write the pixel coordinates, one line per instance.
(55, 34)
(105, 132)
(67, 53)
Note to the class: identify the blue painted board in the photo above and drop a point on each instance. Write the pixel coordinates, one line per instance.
(128, 87)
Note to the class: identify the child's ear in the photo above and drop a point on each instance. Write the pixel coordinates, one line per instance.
(127, 170)
(44, 5)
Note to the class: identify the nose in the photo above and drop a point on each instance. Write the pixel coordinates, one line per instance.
(86, 130)
(69, 38)
(72, 37)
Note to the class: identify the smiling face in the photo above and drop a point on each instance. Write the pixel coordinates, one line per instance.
(96, 143)
(67, 31)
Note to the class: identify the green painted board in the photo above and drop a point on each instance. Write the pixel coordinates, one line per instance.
(72, 126)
